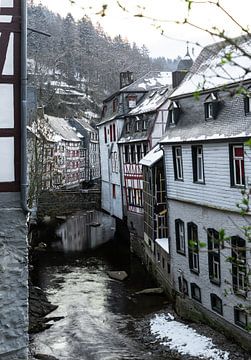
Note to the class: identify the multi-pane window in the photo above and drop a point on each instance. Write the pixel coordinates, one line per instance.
(183, 285)
(237, 172)
(180, 236)
(195, 292)
(193, 247)
(114, 161)
(126, 154)
(209, 110)
(127, 126)
(198, 165)
(216, 303)
(240, 317)
(134, 197)
(214, 256)
(177, 163)
(137, 125)
(239, 268)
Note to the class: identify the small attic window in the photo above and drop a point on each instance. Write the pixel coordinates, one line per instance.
(152, 93)
(247, 103)
(163, 91)
(115, 105)
(137, 124)
(173, 113)
(211, 106)
(127, 126)
(131, 101)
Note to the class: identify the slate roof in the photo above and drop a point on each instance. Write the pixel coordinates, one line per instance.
(85, 124)
(231, 122)
(62, 129)
(152, 80)
(211, 69)
(151, 101)
(135, 136)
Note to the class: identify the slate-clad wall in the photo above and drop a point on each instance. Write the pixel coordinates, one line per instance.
(13, 279)
(206, 218)
(216, 191)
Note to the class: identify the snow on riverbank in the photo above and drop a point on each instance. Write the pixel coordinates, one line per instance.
(182, 338)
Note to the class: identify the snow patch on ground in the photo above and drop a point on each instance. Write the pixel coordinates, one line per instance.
(184, 339)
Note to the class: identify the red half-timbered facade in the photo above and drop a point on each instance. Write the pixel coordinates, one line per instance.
(10, 44)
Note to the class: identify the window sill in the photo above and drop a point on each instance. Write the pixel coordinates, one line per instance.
(217, 311)
(196, 272)
(181, 253)
(181, 180)
(199, 182)
(215, 282)
(196, 299)
(240, 293)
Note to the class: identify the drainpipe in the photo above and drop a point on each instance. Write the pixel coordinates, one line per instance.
(24, 164)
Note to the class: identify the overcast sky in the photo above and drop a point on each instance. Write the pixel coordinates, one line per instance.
(166, 12)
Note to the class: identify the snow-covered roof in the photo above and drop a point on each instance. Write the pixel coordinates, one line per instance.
(85, 124)
(151, 80)
(218, 65)
(152, 101)
(152, 156)
(164, 244)
(63, 131)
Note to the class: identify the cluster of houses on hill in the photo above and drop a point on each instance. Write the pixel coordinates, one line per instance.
(63, 154)
(175, 167)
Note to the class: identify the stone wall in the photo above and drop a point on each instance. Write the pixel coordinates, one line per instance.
(14, 279)
(53, 203)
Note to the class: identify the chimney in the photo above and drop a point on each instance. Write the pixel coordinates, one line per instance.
(126, 78)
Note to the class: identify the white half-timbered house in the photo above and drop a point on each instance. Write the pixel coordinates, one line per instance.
(208, 172)
(143, 127)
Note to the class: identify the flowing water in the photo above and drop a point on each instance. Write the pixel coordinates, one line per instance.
(102, 317)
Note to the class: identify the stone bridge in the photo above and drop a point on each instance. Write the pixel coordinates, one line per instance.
(64, 202)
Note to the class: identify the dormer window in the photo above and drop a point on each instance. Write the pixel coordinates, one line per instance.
(137, 123)
(211, 106)
(131, 101)
(127, 129)
(247, 104)
(209, 110)
(114, 105)
(173, 113)
(144, 125)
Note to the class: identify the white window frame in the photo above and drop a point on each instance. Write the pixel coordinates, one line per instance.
(181, 236)
(199, 164)
(209, 114)
(178, 163)
(239, 159)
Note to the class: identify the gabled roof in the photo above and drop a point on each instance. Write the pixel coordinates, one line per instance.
(211, 69)
(62, 129)
(151, 101)
(152, 80)
(85, 124)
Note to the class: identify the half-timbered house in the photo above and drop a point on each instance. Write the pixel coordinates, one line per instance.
(208, 171)
(143, 127)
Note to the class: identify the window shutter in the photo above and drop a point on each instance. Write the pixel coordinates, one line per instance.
(246, 105)
(231, 165)
(176, 114)
(174, 163)
(194, 162)
(215, 108)
(205, 110)
(189, 236)
(177, 234)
